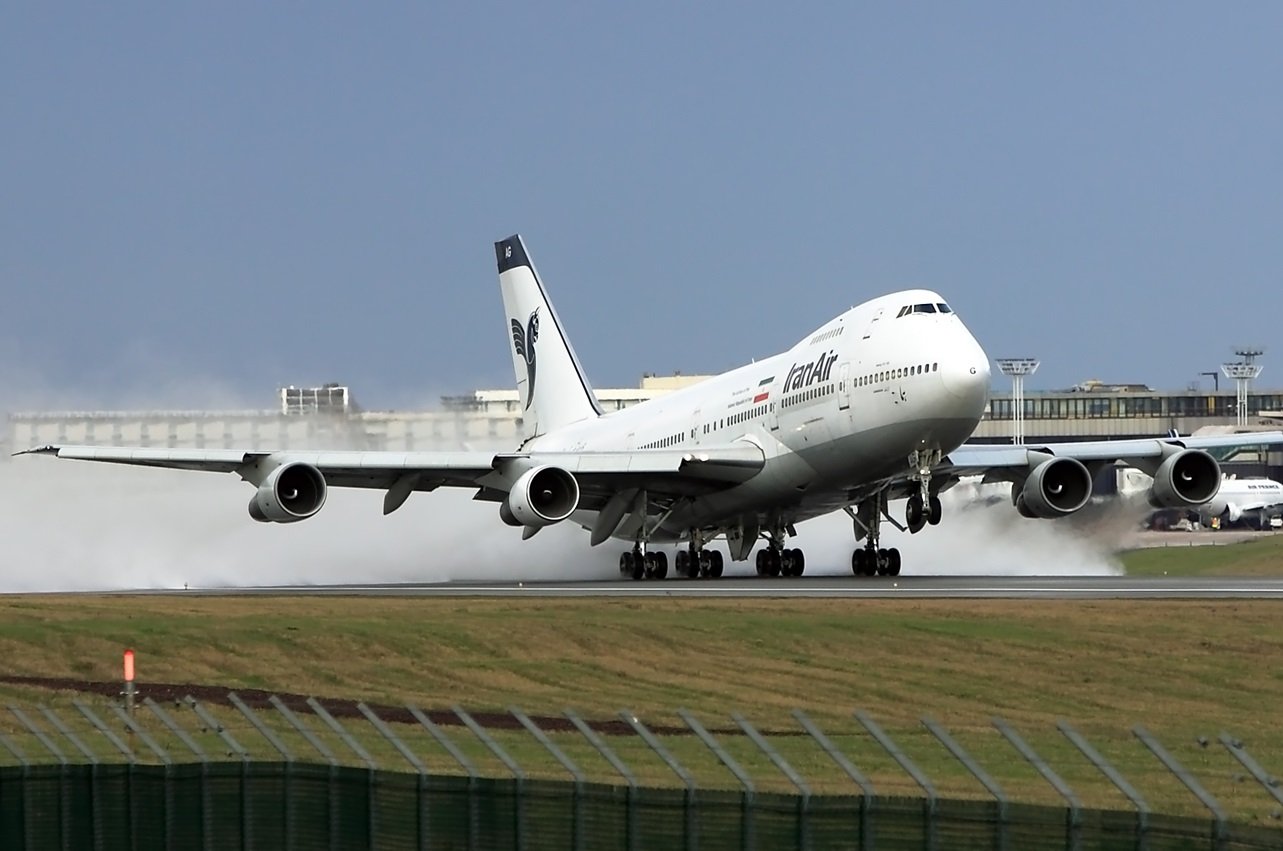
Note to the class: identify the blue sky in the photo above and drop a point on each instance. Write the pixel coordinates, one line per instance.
(249, 195)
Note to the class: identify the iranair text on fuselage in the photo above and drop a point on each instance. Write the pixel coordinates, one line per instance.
(805, 374)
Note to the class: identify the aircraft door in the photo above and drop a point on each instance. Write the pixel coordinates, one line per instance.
(697, 430)
(773, 409)
(873, 324)
(844, 386)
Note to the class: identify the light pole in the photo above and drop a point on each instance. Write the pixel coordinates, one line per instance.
(1244, 372)
(1017, 369)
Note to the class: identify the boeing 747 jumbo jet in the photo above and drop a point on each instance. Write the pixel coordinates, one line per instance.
(873, 406)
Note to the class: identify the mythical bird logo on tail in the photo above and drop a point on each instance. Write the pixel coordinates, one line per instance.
(523, 340)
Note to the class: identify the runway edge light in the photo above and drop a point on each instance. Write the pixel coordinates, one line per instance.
(129, 681)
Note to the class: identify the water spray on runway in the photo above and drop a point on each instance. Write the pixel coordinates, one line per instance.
(78, 526)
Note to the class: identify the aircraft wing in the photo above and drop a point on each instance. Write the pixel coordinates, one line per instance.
(662, 472)
(992, 460)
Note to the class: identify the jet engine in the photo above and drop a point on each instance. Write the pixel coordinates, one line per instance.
(1054, 488)
(290, 493)
(540, 497)
(1186, 478)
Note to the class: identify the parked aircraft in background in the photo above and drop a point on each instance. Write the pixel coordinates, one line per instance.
(1252, 501)
(871, 407)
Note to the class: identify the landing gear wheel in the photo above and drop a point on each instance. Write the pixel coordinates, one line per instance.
(660, 569)
(761, 562)
(715, 564)
(934, 510)
(682, 563)
(883, 562)
(893, 562)
(705, 563)
(799, 562)
(649, 561)
(915, 514)
(632, 564)
(773, 562)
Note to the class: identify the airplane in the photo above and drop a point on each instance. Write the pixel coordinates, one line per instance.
(1238, 497)
(874, 405)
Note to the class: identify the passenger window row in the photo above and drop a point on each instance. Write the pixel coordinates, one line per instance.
(807, 395)
(896, 374)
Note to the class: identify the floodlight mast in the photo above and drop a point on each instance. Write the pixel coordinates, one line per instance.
(1244, 372)
(1017, 369)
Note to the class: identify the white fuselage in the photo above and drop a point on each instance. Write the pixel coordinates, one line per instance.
(1237, 496)
(834, 415)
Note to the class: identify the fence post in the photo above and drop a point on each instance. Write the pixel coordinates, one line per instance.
(128, 754)
(371, 767)
(748, 795)
(276, 742)
(206, 809)
(511, 764)
(234, 749)
(912, 770)
(630, 815)
(332, 790)
(95, 815)
(1032, 757)
(1218, 815)
(63, 792)
(165, 760)
(28, 839)
(459, 757)
(566, 763)
(630, 718)
(1236, 749)
(421, 786)
(979, 773)
(857, 777)
(804, 814)
(1142, 808)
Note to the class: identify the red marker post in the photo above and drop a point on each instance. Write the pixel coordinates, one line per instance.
(129, 681)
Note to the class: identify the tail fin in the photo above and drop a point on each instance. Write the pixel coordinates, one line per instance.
(554, 390)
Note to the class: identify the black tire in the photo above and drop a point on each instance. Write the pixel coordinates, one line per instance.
(626, 563)
(773, 563)
(639, 566)
(705, 562)
(857, 562)
(661, 566)
(761, 562)
(935, 511)
(893, 562)
(682, 563)
(715, 565)
(799, 562)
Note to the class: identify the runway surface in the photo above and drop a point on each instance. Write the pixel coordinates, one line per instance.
(919, 587)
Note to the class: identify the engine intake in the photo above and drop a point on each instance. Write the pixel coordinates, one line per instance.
(540, 497)
(290, 493)
(1185, 479)
(1054, 488)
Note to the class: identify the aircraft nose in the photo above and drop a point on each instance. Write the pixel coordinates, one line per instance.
(966, 376)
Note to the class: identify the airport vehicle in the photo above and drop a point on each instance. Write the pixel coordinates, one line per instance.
(873, 406)
(1251, 500)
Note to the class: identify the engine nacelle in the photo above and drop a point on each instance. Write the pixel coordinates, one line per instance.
(1185, 479)
(290, 493)
(540, 497)
(1054, 488)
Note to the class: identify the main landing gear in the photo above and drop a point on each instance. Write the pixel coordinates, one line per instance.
(777, 560)
(693, 562)
(871, 559)
(639, 564)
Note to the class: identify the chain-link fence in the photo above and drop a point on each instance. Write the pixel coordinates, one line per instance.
(186, 780)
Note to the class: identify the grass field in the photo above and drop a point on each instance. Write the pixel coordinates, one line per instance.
(1184, 669)
(1260, 557)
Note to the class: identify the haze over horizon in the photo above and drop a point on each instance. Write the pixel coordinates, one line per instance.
(205, 204)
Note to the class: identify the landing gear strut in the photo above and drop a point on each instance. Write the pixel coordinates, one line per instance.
(639, 564)
(924, 506)
(777, 560)
(872, 559)
(695, 561)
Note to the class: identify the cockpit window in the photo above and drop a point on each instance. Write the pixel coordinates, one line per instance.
(944, 308)
(924, 308)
